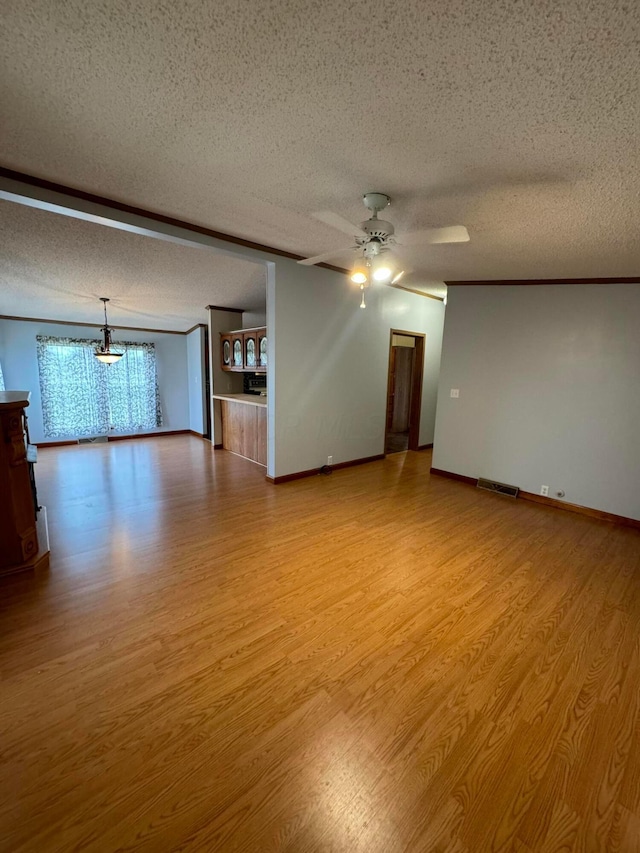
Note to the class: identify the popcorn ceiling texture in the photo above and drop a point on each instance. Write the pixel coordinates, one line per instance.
(57, 268)
(517, 119)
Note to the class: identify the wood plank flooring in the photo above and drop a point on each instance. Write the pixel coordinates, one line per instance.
(370, 661)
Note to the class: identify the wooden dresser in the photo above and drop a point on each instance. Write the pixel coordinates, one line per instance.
(19, 546)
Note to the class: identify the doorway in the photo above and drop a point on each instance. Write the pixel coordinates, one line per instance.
(404, 391)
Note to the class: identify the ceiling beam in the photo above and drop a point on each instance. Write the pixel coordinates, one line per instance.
(94, 208)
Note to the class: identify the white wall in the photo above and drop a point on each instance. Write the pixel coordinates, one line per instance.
(549, 390)
(329, 385)
(20, 365)
(196, 378)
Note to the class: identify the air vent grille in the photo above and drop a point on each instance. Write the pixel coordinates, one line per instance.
(498, 488)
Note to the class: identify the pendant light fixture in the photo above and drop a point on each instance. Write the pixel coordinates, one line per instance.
(104, 353)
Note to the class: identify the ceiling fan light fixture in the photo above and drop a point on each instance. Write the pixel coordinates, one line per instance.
(397, 277)
(358, 277)
(382, 273)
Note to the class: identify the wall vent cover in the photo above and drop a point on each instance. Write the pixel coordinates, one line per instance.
(93, 439)
(498, 488)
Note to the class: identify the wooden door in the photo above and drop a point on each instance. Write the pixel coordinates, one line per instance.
(401, 388)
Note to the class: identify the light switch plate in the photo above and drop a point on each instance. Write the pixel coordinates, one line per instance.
(455, 392)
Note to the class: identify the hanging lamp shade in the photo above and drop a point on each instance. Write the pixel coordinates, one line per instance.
(104, 353)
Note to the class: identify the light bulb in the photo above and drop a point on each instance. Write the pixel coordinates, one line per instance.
(358, 277)
(382, 274)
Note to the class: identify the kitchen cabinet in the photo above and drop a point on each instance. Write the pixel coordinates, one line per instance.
(225, 352)
(262, 349)
(250, 347)
(244, 350)
(244, 428)
(237, 351)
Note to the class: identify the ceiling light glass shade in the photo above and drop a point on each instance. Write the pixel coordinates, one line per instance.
(360, 271)
(108, 357)
(382, 273)
(397, 277)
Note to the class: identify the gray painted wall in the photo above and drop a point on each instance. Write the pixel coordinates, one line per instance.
(329, 386)
(20, 365)
(549, 390)
(196, 377)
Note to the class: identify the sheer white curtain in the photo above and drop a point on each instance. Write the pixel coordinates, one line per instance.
(82, 396)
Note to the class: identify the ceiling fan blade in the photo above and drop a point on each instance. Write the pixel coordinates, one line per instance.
(431, 236)
(337, 221)
(318, 259)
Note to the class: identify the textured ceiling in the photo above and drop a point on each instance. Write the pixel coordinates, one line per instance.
(56, 268)
(517, 119)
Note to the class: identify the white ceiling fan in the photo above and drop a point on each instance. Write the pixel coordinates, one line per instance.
(375, 237)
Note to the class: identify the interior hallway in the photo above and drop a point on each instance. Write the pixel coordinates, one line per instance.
(374, 661)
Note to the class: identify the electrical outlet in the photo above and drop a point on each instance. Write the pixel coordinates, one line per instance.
(544, 490)
(455, 392)
(329, 460)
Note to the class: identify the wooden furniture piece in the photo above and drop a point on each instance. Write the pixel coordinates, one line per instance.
(244, 426)
(244, 350)
(19, 549)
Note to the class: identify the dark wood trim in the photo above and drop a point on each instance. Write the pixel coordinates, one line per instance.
(425, 446)
(599, 514)
(298, 475)
(581, 510)
(222, 308)
(198, 435)
(451, 476)
(533, 281)
(93, 325)
(51, 186)
(119, 437)
(193, 328)
(148, 434)
(417, 292)
(41, 444)
(218, 446)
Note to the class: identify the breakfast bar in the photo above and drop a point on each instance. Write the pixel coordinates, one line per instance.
(244, 425)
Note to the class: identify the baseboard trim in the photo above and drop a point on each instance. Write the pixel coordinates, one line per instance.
(461, 478)
(218, 446)
(581, 510)
(425, 446)
(599, 514)
(299, 475)
(119, 437)
(198, 435)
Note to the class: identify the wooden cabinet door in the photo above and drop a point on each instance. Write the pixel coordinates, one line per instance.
(225, 352)
(262, 349)
(237, 351)
(250, 350)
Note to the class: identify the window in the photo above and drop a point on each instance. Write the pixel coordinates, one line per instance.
(82, 396)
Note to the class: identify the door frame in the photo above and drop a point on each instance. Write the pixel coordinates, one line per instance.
(417, 373)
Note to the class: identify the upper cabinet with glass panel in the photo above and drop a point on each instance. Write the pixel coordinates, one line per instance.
(244, 350)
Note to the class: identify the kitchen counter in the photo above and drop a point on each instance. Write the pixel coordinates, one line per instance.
(248, 399)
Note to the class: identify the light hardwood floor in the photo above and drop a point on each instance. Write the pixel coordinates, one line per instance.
(373, 661)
